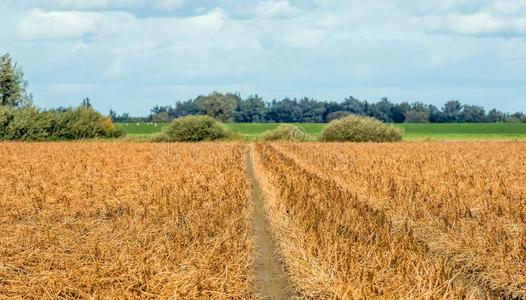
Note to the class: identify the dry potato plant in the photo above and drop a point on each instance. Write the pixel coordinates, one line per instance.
(462, 206)
(337, 246)
(119, 220)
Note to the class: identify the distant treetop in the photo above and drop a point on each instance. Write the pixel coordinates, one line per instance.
(231, 107)
(13, 87)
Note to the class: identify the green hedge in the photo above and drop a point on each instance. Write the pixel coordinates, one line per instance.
(360, 129)
(32, 124)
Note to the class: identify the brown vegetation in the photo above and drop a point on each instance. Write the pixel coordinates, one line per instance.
(458, 207)
(118, 220)
(351, 221)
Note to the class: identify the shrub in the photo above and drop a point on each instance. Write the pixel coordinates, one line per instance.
(32, 124)
(194, 129)
(6, 116)
(360, 129)
(88, 123)
(285, 132)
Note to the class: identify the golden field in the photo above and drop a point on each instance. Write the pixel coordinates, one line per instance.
(117, 220)
(410, 220)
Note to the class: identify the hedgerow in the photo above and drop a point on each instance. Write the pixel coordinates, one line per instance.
(33, 124)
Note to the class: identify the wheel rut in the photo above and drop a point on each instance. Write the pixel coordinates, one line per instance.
(271, 280)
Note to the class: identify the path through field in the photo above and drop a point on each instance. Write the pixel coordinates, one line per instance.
(271, 281)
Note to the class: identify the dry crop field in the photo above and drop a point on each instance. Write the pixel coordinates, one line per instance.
(348, 221)
(117, 220)
(410, 220)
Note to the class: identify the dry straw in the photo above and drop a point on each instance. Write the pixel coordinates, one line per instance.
(115, 220)
(351, 221)
(464, 203)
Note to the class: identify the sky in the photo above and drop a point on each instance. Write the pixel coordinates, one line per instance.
(129, 55)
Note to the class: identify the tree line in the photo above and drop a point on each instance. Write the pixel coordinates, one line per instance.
(21, 120)
(231, 107)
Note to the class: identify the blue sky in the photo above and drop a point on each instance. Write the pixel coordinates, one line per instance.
(130, 55)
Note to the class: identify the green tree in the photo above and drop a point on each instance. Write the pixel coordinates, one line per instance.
(336, 115)
(399, 111)
(354, 106)
(495, 116)
(452, 112)
(161, 117)
(473, 114)
(417, 116)
(251, 110)
(86, 103)
(515, 118)
(217, 105)
(113, 115)
(382, 110)
(13, 87)
(312, 111)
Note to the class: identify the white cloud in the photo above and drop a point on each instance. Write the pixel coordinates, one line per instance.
(70, 4)
(206, 24)
(275, 9)
(98, 4)
(116, 69)
(64, 25)
(321, 48)
(169, 4)
(515, 7)
(503, 18)
(479, 24)
(306, 38)
(57, 25)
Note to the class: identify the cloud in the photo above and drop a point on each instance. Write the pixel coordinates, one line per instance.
(169, 4)
(134, 51)
(116, 69)
(477, 18)
(68, 5)
(305, 38)
(64, 25)
(206, 24)
(57, 25)
(275, 9)
(479, 24)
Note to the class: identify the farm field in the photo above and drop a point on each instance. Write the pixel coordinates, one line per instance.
(413, 132)
(121, 221)
(418, 220)
(413, 220)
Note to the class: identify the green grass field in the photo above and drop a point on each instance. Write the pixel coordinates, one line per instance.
(412, 132)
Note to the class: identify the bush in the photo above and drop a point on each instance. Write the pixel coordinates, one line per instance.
(32, 124)
(360, 129)
(194, 129)
(6, 116)
(87, 123)
(285, 132)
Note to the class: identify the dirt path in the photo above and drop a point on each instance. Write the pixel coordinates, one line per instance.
(271, 280)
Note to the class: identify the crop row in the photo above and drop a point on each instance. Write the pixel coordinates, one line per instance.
(116, 220)
(351, 221)
(463, 204)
